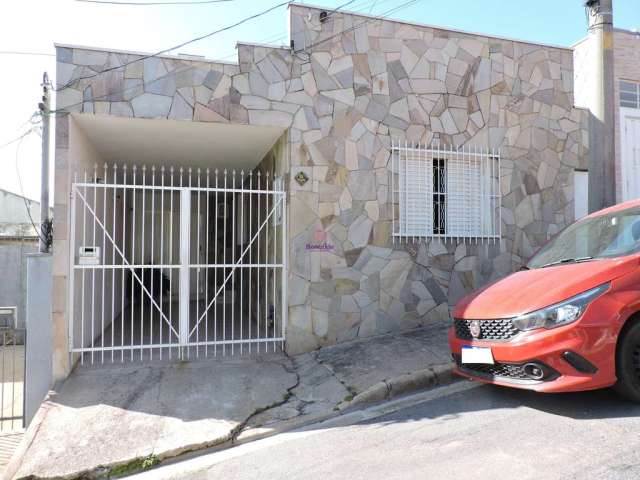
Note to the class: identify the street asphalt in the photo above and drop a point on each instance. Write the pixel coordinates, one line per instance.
(482, 432)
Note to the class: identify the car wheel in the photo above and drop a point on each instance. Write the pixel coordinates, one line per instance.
(628, 364)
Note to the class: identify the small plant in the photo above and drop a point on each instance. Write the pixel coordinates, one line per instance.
(134, 466)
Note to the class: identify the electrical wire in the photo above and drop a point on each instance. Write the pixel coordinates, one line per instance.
(11, 52)
(17, 139)
(20, 137)
(346, 30)
(106, 2)
(279, 36)
(24, 198)
(65, 110)
(167, 50)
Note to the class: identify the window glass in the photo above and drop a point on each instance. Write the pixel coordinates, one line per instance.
(629, 94)
(612, 235)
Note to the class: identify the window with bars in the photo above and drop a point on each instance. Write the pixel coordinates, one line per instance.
(629, 94)
(446, 192)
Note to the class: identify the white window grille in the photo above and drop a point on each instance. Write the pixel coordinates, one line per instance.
(629, 94)
(445, 192)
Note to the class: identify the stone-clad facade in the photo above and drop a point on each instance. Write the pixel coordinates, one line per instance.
(350, 85)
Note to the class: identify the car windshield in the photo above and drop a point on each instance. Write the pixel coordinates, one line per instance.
(611, 235)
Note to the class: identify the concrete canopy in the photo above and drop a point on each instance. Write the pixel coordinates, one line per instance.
(171, 142)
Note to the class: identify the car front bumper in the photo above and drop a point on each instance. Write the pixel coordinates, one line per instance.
(547, 348)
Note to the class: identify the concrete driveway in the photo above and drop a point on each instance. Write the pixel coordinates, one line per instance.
(474, 433)
(119, 418)
(127, 415)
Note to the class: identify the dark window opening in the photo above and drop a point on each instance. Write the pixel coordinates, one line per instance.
(439, 196)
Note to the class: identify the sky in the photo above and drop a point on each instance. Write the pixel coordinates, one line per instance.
(33, 26)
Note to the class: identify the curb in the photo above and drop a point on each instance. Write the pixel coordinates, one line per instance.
(435, 376)
(401, 385)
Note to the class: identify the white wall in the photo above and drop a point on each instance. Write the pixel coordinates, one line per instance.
(39, 347)
(88, 286)
(581, 193)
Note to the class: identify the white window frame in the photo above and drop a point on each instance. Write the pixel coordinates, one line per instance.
(469, 200)
(634, 91)
(627, 162)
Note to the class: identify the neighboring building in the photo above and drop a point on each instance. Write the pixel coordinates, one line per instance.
(17, 238)
(627, 104)
(418, 163)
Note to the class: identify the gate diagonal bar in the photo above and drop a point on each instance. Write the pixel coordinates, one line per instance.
(127, 264)
(201, 252)
(235, 265)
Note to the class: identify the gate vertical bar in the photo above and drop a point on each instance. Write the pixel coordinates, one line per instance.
(162, 258)
(124, 252)
(72, 272)
(197, 260)
(215, 270)
(241, 313)
(171, 277)
(206, 271)
(233, 260)
(250, 289)
(133, 250)
(113, 262)
(104, 255)
(151, 257)
(185, 216)
(224, 270)
(143, 219)
(283, 262)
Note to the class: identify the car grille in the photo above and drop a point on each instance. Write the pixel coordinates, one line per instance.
(511, 371)
(500, 329)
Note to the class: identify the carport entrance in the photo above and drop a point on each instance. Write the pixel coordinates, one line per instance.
(176, 262)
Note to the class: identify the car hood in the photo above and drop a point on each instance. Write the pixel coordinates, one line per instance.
(529, 290)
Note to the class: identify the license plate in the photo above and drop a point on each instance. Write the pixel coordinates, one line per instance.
(477, 355)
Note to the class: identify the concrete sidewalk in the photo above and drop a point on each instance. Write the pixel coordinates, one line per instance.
(119, 419)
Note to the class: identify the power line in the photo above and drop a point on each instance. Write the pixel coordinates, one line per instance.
(282, 35)
(64, 110)
(166, 50)
(24, 198)
(11, 52)
(368, 20)
(106, 2)
(17, 139)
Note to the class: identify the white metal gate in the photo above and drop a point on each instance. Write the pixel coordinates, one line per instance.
(176, 263)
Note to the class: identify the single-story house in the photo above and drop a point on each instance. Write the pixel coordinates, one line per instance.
(358, 181)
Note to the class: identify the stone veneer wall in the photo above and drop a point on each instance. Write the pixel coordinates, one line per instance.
(343, 100)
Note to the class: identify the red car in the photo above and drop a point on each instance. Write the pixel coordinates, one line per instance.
(568, 321)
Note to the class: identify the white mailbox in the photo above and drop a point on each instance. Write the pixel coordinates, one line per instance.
(89, 255)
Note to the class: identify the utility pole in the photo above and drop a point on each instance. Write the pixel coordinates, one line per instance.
(602, 150)
(44, 107)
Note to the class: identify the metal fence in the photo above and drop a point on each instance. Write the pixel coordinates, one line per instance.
(12, 370)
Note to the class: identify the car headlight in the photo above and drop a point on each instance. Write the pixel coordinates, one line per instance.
(561, 313)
